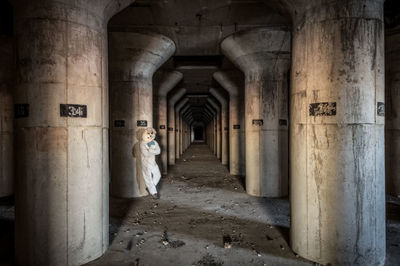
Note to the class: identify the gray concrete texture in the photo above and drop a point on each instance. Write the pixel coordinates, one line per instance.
(213, 105)
(178, 127)
(172, 100)
(134, 58)
(263, 55)
(337, 149)
(61, 197)
(164, 81)
(7, 85)
(230, 82)
(337, 120)
(224, 125)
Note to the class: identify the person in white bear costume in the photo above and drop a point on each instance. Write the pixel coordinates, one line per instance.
(149, 148)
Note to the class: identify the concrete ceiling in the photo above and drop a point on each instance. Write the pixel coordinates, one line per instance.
(197, 27)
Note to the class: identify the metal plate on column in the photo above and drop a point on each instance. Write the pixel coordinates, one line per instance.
(380, 109)
(119, 123)
(258, 122)
(323, 109)
(21, 110)
(170, 129)
(73, 110)
(282, 122)
(236, 126)
(162, 127)
(141, 123)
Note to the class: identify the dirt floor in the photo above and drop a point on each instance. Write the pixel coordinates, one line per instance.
(204, 217)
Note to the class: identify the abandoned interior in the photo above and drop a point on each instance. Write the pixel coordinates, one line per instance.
(278, 123)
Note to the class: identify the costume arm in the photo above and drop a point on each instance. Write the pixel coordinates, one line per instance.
(155, 149)
(147, 152)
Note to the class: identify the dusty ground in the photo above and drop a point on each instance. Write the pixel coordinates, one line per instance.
(203, 217)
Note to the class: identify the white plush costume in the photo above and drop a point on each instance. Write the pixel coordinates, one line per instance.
(149, 148)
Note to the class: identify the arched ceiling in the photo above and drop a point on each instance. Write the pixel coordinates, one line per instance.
(196, 26)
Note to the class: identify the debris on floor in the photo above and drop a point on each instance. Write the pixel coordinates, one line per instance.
(208, 260)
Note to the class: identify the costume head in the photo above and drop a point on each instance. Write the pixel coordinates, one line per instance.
(149, 134)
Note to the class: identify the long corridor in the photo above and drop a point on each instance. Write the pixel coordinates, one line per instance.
(204, 217)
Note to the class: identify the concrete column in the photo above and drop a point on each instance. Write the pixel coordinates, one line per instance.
(178, 126)
(214, 128)
(224, 125)
(134, 57)
(61, 203)
(171, 124)
(228, 82)
(167, 80)
(184, 140)
(184, 135)
(263, 54)
(392, 55)
(218, 130)
(180, 135)
(7, 85)
(337, 133)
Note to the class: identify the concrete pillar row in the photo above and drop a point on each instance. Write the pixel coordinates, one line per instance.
(187, 131)
(178, 126)
(210, 128)
(214, 115)
(337, 132)
(211, 134)
(7, 85)
(184, 128)
(263, 55)
(188, 115)
(181, 135)
(171, 124)
(227, 81)
(134, 57)
(392, 55)
(168, 80)
(218, 130)
(224, 125)
(61, 130)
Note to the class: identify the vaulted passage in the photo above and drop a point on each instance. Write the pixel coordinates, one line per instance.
(272, 127)
(204, 216)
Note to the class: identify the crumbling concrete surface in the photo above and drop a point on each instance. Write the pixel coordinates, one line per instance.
(204, 217)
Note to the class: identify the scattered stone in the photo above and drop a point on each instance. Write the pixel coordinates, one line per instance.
(227, 240)
(208, 260)
(269, 238)
(176, 243)
(129, 246)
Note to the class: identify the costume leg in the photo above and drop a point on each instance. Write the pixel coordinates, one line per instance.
(149, 180)
(156, 174)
